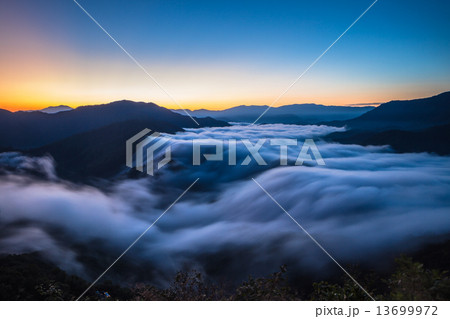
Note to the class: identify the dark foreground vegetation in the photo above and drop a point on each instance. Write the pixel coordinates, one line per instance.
(28, 277)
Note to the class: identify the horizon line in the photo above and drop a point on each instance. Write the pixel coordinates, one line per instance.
(212, 106)
(18, 109)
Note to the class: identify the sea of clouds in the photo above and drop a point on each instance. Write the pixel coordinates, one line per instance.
(364, 206)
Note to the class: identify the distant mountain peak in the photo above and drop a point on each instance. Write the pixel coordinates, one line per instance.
(306, 113)
(56, 109)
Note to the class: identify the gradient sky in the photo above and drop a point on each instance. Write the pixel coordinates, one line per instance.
(218, 54)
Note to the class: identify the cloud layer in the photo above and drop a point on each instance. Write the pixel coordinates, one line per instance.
(364, 205)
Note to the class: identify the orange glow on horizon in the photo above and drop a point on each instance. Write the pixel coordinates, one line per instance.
(43, 79)
(67, 77)
(30, 105)
(64, 77)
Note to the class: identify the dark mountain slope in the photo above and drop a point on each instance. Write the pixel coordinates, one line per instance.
(404, 115)
(24, 130)
(421, 125)
(433, 140)
(99, 153)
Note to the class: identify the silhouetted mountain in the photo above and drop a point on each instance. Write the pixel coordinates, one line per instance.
(433, 140)
(56, 109)
(26, 130)
(407, 115)
(421, 125)
(98, 153)
(287, 114)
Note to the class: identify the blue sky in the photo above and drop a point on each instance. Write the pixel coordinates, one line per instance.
(219, 54)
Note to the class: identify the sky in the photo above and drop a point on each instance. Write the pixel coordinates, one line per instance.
(219, 54)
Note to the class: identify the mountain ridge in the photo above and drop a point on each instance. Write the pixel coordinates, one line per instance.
(413, 114)
(419, 125)
(55, 109)
(306, 113)
(26, 130)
